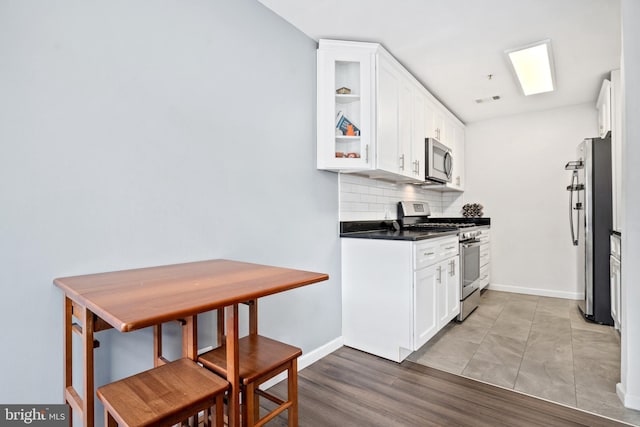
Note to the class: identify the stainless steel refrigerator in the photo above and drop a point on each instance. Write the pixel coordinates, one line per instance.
(591, 221)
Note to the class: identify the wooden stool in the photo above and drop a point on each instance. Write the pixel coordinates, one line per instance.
(164, 395)
(261, 359)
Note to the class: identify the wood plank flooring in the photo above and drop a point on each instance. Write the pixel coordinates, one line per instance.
(352, 388)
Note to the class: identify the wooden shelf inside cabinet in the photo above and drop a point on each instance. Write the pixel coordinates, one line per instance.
(347, 98)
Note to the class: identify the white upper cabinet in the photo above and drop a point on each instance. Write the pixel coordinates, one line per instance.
(457, 147)
(443, 126)
(405, 130)
(609, 105)
(604, 109)
(616, 147)
(388, 121)
(419, 135)
(398, 127)
(389, 113)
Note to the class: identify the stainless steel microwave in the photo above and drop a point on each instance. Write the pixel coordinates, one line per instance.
(438, 161)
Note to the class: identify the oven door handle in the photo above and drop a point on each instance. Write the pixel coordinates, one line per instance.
(470, 244)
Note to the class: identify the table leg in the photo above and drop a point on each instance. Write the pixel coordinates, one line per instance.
(253, 317)
(68, 354)
(233, 359)
(87, 350)
(157, 345)
(84, 404)
(220, 326)
(190, 338)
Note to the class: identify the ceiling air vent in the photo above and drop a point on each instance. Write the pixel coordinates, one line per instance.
(489, 99)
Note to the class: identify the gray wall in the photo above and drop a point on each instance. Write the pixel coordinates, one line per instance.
(153, 132)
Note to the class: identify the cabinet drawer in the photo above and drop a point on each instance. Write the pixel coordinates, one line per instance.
(485, 255)
(449, 248)
(426, 254)
(485, 237)
(432, 251)
(485, 276)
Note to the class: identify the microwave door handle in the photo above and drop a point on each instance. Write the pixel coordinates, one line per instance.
(448, 164)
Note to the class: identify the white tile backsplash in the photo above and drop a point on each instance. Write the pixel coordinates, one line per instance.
(362, 198)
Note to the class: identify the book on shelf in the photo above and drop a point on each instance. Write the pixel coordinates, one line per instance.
(343, 123)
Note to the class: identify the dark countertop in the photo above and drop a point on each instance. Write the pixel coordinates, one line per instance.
(389, 229)
(411, 235)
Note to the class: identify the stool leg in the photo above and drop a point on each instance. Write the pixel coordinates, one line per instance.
(292, 392)
(249, 404)
(219, 411)
(256, 407)
(109, 421)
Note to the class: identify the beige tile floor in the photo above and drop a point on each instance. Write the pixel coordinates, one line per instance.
(537, 345)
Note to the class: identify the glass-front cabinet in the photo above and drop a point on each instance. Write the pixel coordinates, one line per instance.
(345, 100)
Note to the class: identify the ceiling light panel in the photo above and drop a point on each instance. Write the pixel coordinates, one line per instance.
(533, 67)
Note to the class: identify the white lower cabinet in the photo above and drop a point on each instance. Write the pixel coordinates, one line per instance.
(449, 298)
(485, 259)
(615, 272)
(425, 293)
(436, 299)
(396, 295)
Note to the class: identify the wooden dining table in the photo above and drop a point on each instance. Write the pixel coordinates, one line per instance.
(129, 300)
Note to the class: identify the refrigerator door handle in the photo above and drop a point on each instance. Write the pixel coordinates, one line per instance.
(574, 237)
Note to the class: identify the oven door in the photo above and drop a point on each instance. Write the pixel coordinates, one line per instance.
(470, 267)
(438, 160)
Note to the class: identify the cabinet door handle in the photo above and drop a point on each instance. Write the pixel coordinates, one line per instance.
(439, 274)
(366, 153)
(428, 253)
(418, 167)
(402, 162)
(450, 247)
(453, 268)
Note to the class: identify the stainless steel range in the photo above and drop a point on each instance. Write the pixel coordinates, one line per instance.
(414, 215)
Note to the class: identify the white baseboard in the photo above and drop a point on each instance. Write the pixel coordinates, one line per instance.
(536, 291)
(629, 401)
(308, 359)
